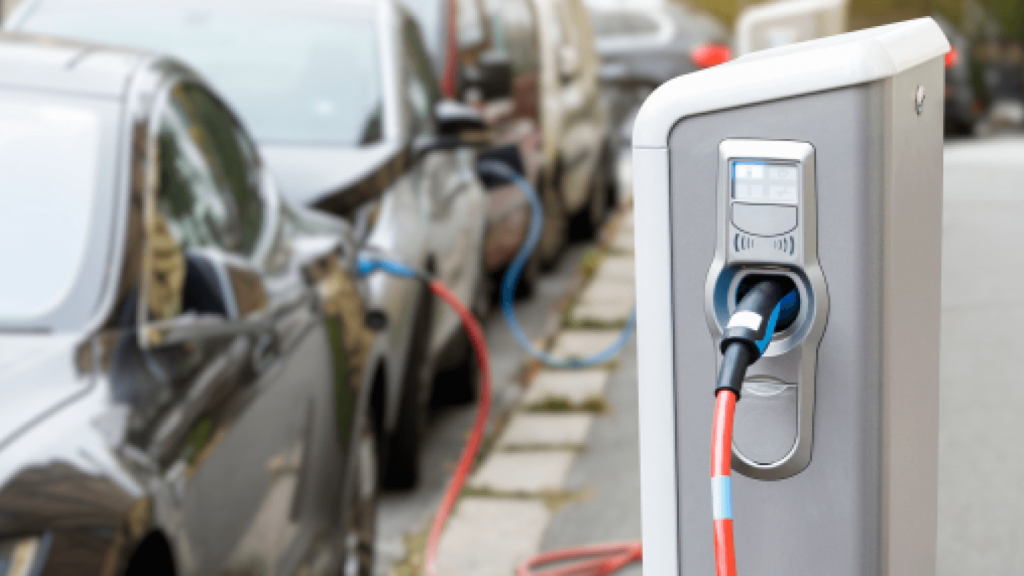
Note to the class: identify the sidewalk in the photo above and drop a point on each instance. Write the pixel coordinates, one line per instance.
(541, 486)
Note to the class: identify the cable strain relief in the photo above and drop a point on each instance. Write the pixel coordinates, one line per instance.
(746, 340)
(735, 359)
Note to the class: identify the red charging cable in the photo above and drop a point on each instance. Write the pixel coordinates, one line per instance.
(476, 338)
(721, 483)
(591, 560)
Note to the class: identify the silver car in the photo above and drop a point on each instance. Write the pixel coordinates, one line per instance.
(187, 374)
(343, 102)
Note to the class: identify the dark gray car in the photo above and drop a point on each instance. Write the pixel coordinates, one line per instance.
(185, 367)
(645, 43)
(344, 105)
(962, 106)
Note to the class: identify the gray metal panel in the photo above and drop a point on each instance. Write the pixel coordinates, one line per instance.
(826, 518)
(913, 240)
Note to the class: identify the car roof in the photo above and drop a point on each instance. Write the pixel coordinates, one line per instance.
(44, 63)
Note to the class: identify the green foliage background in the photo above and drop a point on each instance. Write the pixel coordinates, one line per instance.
(864, 13)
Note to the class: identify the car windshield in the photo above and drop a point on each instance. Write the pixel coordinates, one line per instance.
(296, 76)
(54, 209)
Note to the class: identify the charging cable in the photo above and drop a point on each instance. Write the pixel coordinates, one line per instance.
(367, 265)
(511, 278)
(745, 339)
(594, 560)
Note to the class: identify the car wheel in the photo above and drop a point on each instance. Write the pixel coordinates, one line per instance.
(402, 468)
(555, 233)
(361, 530)
(483, 295)
(459, 384)
(587, 223)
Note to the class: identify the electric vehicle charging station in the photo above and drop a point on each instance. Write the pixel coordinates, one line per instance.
(820, 162)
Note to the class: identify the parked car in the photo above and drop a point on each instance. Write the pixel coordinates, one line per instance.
(962, 106)
(344, 103)
(555, 115)
(186, 369)
(575, 121)
(645, 43)
(497, 71)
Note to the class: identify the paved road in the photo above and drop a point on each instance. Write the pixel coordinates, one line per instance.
(402, 513)
(981, 438)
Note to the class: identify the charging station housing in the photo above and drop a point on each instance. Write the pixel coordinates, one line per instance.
(821, 161)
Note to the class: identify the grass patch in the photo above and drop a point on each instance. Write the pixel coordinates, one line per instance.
(543, 448)
(590, 262)
(553, 499)
(595, 404)
(415, 554)
(570, 324)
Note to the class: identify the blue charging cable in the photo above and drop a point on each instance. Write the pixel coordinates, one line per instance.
(367, 264)
(515, 270)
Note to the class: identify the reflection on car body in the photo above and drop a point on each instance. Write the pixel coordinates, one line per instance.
(345, 108)
(192, 399)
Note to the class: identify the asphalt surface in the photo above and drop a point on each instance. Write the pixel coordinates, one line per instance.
(981, 395)
(404, 513)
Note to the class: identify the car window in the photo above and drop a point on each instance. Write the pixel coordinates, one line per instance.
(421, 90)
(193, 195)
(514, 33)
(56, 201)
(237, 169)
(471, 24)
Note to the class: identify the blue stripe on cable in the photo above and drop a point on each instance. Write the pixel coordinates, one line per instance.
(769, 331)
(721, 497)
(788, 301)
(515, 270)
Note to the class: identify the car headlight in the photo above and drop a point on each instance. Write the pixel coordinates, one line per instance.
(23, 556)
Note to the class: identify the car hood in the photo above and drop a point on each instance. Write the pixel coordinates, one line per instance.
(332, 176)
(38, 374)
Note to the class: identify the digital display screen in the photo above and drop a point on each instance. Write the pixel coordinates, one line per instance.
(765, 182)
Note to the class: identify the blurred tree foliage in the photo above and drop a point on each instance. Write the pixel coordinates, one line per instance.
(864, 13)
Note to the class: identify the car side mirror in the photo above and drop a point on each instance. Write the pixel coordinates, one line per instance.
(220, 294)
(568, 63)
(489, 80)
(458, 120)
(458, 125)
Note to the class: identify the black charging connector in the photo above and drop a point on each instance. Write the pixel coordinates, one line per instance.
(790, 309)
(752, 326)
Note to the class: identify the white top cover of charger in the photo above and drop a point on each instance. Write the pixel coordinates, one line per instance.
(804, 68)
